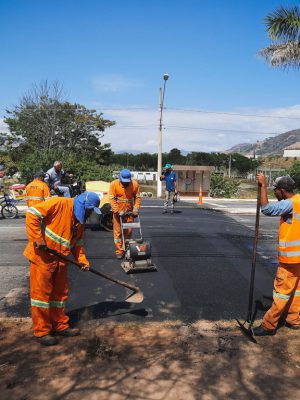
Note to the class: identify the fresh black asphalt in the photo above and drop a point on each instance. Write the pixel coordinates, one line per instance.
(203, 259)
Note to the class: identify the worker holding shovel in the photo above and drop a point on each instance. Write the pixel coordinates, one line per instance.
(286, 294)
(56, 224)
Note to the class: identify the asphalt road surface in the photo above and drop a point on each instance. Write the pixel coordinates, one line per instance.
(203, 258)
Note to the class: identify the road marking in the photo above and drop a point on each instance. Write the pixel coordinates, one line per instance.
(215, 204)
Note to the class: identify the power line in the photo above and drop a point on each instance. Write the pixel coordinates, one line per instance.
(174, 109)
(200, 111)
(192, 128)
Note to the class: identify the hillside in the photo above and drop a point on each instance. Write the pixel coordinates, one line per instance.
(269, 147)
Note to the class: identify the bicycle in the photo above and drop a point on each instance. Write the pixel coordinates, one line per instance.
(7, 207)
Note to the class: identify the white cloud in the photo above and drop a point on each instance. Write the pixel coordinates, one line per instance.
(3, 126)
(113, 83)
(137, 128)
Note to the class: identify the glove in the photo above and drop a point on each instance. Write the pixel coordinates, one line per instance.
(84, 267)
(40, 244)
(121, 213)
(135, 212)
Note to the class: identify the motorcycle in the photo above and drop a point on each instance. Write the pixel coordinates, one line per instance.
(76, 186)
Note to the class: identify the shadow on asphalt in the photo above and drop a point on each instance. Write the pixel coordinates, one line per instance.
(107, 309)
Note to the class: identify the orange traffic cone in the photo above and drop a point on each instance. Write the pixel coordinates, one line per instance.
(200, 199)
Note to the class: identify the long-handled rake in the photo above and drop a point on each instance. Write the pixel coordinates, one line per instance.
(135, 297)
(247, 330)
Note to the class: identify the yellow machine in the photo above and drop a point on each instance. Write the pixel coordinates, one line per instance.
(104, 220)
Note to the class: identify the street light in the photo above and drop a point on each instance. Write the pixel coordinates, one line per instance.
(159, 152)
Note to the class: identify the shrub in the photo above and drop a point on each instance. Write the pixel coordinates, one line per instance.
(219, 187)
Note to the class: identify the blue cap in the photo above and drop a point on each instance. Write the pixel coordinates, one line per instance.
(125, 176)
(86, 201)
(168, 166)
(92, 201)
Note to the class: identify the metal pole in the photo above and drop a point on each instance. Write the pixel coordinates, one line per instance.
(159, 150)
(229, 171)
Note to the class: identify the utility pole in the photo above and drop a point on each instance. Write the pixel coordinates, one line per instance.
(159, 151)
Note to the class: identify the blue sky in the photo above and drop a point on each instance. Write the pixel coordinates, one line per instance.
(112, 55)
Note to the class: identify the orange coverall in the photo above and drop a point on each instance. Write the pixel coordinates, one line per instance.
(54, 221)
(123, 199)
(37, 191)
(286, 294)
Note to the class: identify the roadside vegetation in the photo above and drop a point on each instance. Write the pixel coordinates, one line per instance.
(45, 127)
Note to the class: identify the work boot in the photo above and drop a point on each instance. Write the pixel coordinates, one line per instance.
(172, 211)
(47, 340)
(292, 326)
(70, 332)
(261, 331)
(119, 256)
(164, 212)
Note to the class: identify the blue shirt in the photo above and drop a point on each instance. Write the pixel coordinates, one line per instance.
(170, 178)
(283, 208)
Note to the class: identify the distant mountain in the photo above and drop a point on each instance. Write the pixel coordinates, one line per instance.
(273, 146)
(128, 151)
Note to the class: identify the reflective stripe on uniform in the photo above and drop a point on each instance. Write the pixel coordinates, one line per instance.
(34, 198)
(117, 240)
(289, 253)
(39, 303)
(34, 211)
(58, 239)
(124, 200)
(51, 235)
(47, 198)
(45, 304)
(297, 293)
(57, 304)
(112, 197)
(281, 296)
(296, 215)
(290, 244)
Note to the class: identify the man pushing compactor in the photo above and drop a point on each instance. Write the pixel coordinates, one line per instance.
(124, 194)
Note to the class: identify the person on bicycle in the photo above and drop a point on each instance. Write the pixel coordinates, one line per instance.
(124, 195)
(54, 176)
(37, 190)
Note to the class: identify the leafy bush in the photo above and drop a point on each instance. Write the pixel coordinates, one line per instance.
(294, 172)
(87, 169)
(219, 187)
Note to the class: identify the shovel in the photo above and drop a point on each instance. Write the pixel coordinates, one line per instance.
(247, 330)
(135, 297)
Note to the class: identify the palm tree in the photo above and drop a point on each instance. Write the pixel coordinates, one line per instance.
(283, 27)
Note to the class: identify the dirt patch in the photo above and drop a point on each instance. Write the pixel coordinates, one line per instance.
(167, 360)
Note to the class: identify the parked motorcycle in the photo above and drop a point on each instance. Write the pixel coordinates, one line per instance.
(75, 184)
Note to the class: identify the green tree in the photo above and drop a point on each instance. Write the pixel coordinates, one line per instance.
(294, 172)
(86, 168)
(174, 157)
(243, 164)
(283, 27)
(43, 121)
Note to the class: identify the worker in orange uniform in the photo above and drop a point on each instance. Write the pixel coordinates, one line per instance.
(286, 295)
(37, 190)
(124, 195)
(57, 223)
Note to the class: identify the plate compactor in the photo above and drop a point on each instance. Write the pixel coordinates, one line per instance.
(137, 254)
